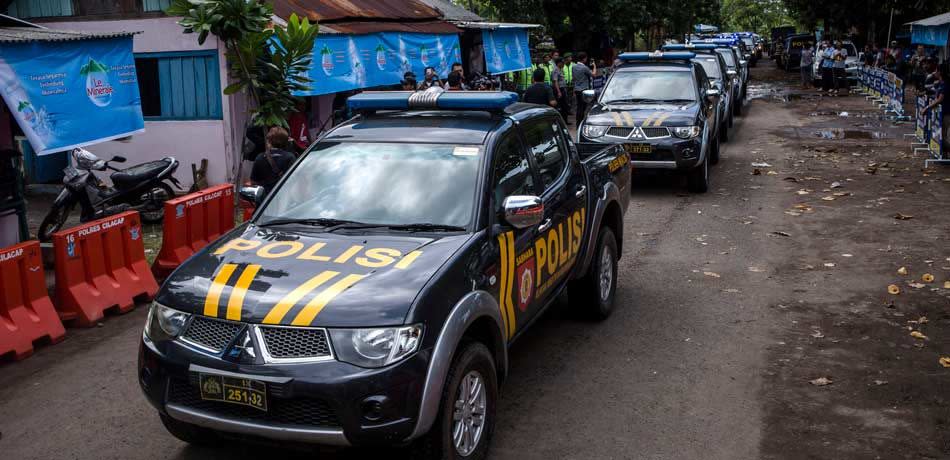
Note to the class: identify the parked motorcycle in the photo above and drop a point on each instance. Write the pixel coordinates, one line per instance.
(144, 188)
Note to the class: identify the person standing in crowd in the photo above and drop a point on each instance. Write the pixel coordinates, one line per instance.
(409, 82)
(917, 67)
(808, 60)
(540, 92)
(274, 161)
(431, 80)
(299, 128)
(839, 75)
(583, 77)
(457, 67)
(568, 82)
(454, 82)
(941, 99)
(560, 87)
(546, 65)
(827, 68)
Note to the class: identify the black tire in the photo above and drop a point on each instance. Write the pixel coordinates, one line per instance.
(153, 213)
(714, 152)
(588, 295)
(697, 179)
(732, 117)
(54, 220)
(439, 443)
(737, 107)
(189, 433)
(724, 131)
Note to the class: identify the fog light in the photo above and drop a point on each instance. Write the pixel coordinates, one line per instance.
(373, 408)
(688, 153)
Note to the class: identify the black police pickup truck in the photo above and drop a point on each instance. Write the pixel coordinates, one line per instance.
(373, 296)
(720, 77)
(664, 111)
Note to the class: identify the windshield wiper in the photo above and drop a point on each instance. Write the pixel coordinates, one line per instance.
(427, 226)
(321, 221)
(632, 100)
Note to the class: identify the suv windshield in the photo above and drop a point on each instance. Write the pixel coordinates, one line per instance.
(728, 57)
(649, 85)
(710, 65)
(380, 183)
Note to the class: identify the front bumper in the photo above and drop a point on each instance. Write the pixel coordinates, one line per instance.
(668, 152)
(327, 403)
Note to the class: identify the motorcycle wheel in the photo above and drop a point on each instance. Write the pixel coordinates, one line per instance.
(153, 211)
(53, 222)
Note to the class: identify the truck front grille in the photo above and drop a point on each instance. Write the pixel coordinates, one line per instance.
(210, 333)
(295, 343)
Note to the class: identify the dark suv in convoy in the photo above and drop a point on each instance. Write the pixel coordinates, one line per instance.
(721, 78)
(373, 296)
(663, 109)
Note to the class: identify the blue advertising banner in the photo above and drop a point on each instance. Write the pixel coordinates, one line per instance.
(922, 133)
(930, 35)
(936, 132)
(506, 50)
(344, 62)
(72, 93)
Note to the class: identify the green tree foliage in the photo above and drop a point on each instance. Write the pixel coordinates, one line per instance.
(870, 17)
(758, 16)
(271, 62)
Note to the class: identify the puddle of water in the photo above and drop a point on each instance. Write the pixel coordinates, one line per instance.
(839, 133)
(775, 93)
(833, 113)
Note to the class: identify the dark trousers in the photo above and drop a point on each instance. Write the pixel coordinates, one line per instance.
(841, 78)
(580, 108)
(562, 106)
(827, 78)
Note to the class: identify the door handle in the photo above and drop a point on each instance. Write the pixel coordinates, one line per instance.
(544, 225)
(580, 191)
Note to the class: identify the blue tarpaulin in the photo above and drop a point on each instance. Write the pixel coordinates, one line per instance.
(506, 49)
(67, 94)
(930, 35)
(343, 62)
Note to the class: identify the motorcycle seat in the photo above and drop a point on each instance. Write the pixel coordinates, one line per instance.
(128, 178)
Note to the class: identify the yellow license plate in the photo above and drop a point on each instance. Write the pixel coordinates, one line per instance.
(246, 392)
(638, 148)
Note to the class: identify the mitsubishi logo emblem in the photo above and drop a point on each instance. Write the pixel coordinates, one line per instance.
(243, 348)
(637, 133)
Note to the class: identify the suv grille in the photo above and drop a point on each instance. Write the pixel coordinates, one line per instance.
(290, 343)
(618, 131)
(211, 334)
(298, 411)
(656, 132)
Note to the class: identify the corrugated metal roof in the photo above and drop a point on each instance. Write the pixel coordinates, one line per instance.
(30, 34)
(366, 27)
(496, 25)
(937, 20)
(453, 12)
(331, 11)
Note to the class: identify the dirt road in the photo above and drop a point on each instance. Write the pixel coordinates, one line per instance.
(730, 303)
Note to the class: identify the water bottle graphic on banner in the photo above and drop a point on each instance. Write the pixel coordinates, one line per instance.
(35, 121)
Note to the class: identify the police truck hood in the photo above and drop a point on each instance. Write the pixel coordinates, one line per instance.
(336, 279)
(643, 115)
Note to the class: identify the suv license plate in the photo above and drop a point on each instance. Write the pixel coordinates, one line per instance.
(246, 392)
(638, 148)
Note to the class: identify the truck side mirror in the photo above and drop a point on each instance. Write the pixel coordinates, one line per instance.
(712, 92)
(523, 211)
(731, 73)
(588, 95)
(253, 194)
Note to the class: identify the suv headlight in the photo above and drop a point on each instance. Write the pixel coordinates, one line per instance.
(686, 132)
(164, 323)
(376, 347)
(593, 131)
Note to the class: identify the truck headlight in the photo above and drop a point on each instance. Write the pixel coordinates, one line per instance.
(593, 131)
(164, 323)
(686, 132)
(376, 347)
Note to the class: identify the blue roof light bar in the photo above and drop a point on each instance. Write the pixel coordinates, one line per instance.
(657, 56)
(689, 46)
(446, 100)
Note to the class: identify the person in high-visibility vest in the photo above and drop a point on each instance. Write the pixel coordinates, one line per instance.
(569, 78)
(546, 65)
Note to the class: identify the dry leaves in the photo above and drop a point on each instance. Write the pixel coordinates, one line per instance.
(927, 278)
(902, 271)
(712, 274)
(900, 216)
(944, 361)
(821, 381)
(893, 289)
(918, 335)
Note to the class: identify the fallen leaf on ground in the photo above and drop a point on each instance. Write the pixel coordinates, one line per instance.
(902, 271)
(828, 198)
(927, 278)
(918, 335)
(790, 179)
(842, 194)
(944, 361)
(880, 382)
(821, 381)
(893, 289)
(778, 233)
(829, 264)
(793, 213)
(712, 274)
(803, 207)
(756, 269)
(946, 284)
(818, 335)
(771, 173)
(836, 184)
(803, 192)
(761, 165)
(900, 216)
(922, 320)
(731, 291)
(847, 255)
(915, 284)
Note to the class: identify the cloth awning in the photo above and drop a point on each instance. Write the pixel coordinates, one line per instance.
(506, 49)
(69, 89)
(494, 25)
(931, 31)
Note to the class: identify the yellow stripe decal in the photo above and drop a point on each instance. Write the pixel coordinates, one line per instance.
(276, 314)
(629, 119)
(236, 302)
(315, 306)
(511, 277)
(647, 121)
(408, 259)
(214, 293)
(617, 120)
(503, 264)
(659, 121)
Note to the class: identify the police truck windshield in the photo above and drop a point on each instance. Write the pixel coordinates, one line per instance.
(710, 65)
(380, 183)
(649, 86)
(728, 57)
